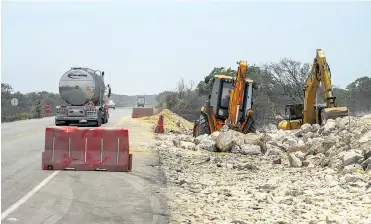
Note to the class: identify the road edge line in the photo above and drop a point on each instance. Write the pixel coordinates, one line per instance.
(27, 196)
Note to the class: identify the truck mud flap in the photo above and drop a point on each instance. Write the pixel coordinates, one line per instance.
(74, 148)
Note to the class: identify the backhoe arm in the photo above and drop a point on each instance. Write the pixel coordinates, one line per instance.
(236, 96)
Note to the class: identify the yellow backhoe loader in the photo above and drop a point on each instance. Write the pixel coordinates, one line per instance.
(309, 112)
(230, 103)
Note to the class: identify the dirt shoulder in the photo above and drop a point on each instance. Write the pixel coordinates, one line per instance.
(212, 187)
(146, 175)
(140, 133)
(229, 177)
(172, 122)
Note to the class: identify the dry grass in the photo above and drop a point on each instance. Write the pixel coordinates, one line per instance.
(170, 121)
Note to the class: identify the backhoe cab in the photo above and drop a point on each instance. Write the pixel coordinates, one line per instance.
(230, 102)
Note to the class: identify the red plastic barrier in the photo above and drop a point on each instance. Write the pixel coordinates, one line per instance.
(160, 125)
(86, 149)
(142, 112)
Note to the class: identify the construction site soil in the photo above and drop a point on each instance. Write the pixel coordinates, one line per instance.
(314, 175)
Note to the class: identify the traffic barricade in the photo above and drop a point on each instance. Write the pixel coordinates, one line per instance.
(141, 112)
(86, 149)
(160, 125)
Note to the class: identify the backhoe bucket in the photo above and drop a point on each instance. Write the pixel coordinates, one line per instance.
(334, 112)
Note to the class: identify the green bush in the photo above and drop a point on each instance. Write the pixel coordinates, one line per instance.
(23, 116)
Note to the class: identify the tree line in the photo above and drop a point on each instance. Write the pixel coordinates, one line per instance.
(280, 83)
(26, 108)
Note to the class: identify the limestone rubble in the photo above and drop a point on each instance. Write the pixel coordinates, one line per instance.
(318, 174)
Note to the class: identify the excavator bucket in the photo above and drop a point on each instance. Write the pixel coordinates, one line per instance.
(334, 112)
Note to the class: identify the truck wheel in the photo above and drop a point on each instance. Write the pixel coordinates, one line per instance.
(99, 122)
(203, 126)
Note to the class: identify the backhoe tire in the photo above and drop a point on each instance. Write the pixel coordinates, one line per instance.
(203, 125)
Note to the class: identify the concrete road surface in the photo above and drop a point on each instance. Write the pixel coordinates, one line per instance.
(31, 195)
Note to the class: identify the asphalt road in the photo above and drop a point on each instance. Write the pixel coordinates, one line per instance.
(31, 195)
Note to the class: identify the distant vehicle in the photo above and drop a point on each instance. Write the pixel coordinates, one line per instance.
(83, 90)
(111, 104)
(141, 101)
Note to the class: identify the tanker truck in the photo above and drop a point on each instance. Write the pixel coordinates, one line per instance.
(83, 92)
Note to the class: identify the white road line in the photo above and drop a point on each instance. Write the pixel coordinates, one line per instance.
(28, 195)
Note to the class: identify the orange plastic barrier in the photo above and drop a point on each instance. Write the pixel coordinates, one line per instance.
(160, 125)
(141, 112)
(86, 149)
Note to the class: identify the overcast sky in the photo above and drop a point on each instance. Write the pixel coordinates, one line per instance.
(147, 47)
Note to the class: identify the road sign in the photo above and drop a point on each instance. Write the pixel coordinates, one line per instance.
(14, 102)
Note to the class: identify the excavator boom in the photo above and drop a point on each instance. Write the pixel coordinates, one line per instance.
(320, 73)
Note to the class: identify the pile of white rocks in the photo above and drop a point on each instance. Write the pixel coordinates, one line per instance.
(341, 143)
(344, 143)
(318, 174)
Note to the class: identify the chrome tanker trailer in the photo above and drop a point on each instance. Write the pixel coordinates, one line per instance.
(83, 91)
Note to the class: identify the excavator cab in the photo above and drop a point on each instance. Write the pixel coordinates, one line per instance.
(293, 117)
(216, 111)
(294, 111)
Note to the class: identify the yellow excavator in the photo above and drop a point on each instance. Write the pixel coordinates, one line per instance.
(230, 103)
(309, 112)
